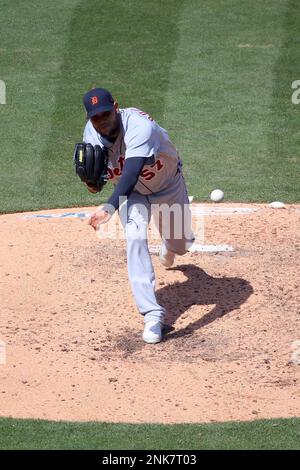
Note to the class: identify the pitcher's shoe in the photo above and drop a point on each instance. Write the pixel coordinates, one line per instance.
(152, 332)
(166, 257)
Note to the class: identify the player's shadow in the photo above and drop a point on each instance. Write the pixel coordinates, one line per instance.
(226, 294)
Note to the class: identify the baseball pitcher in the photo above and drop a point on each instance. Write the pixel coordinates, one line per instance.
(127, 147)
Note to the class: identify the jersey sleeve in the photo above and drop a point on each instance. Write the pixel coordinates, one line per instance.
(89, 135)
(86, 134)
(141, 139)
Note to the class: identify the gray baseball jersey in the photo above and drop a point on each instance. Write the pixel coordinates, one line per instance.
(140, 136)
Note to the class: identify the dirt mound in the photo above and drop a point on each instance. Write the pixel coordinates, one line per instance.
(73, 335)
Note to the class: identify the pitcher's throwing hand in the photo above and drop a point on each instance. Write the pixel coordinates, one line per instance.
(99, 217)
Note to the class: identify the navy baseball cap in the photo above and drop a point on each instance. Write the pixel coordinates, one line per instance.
(97, 101)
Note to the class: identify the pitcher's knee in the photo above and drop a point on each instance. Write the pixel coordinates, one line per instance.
(135, 230)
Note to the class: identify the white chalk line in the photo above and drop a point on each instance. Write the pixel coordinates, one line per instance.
(196, 248)
(201, 210)
(63, 215)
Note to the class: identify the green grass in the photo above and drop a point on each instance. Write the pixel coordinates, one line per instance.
(268, 434)
(216, 74)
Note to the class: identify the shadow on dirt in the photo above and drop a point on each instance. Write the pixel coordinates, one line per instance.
(226, 294)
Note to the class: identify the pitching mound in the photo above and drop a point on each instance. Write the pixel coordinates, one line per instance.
(71, 334)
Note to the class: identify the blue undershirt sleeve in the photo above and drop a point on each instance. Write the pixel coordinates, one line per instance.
(130, 174)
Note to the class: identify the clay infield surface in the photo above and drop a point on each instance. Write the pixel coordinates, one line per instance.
(72, 332)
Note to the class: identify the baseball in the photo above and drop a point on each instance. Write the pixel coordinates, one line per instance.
(217, 195)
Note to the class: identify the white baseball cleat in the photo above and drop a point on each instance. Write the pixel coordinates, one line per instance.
(166, 257)
(152, 332)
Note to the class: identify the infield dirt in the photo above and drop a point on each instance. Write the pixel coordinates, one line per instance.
(74, 349)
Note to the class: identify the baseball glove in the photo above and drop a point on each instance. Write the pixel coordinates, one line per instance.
(91, 165)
